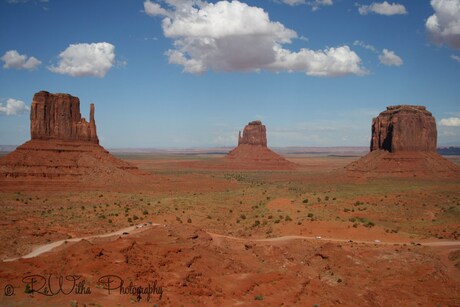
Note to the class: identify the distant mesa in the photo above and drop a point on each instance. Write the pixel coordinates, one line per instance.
(403, 143)
(252, 151)
(63, 146)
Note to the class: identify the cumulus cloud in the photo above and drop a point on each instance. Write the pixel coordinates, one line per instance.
(13, 107)
(80, 60)
(333, 62)
(386, 57)
(233, 36)
(455, 57)
(383, 8)
(13, 59)
(444, 25)
(154, 9)
(389, 58)
(450, 122)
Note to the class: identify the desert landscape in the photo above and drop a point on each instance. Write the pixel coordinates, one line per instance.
(230, 153)
(82, 227)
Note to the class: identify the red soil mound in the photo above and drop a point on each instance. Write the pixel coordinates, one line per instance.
(404, 164)
(256, 157)
(64, 160)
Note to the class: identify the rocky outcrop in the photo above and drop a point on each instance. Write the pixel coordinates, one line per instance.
(64, 147)
(403, 144)
(404, 128)
(57, 116)
(253, 134)
(252, 151)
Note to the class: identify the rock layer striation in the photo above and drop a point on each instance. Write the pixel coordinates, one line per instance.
(64, 147)
(57, 116)
(252, 151)
(254, 133)
(404, 128)
(403, 144)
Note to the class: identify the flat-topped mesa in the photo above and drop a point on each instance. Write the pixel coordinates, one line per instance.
(404, 128)
(57, 116)
(254, 133)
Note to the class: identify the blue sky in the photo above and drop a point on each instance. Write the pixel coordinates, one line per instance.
(181, 73)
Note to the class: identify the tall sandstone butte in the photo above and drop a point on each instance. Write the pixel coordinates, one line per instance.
(403, 144)
(252, 151)
(57, 116)
(404, 128)
(64, 146)
(254, 133)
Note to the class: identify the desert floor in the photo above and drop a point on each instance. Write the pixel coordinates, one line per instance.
(310, 236)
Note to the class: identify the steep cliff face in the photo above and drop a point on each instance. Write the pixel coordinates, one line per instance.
(252, 151)
(57, 116)
(254, 133)
(64, 147)
(403, 144)
(404, 128)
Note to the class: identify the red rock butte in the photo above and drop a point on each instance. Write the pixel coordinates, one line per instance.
(403, 143)
(253, 134)
(404, 128)
(252, 151)
(57, 116)
(63, 146)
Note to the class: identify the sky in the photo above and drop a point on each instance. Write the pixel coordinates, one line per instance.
(190, 73)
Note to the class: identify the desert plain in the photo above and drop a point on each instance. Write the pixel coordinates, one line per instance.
(205, 235)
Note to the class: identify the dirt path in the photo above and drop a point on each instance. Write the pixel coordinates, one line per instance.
(37, 251)
(290, 238)
(142, 227)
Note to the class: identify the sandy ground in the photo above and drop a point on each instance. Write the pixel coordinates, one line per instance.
(221, 237)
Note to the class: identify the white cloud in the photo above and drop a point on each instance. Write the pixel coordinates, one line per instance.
(386, 57)
(233, 36)
(383, 8)
(80, 60)
(450, 122)
(331, 62)
(14, 107)
(365, 46)
(315, 4)
(444, 25)
(389, 58)
(293, 2)
(13, 59)
(154, 9)
(455, 57)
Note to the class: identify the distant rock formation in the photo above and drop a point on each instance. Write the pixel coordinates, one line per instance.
(64, 147)
(252, 151)
(403, 144)
(404, 128)
(254, 133)
(57, 116)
